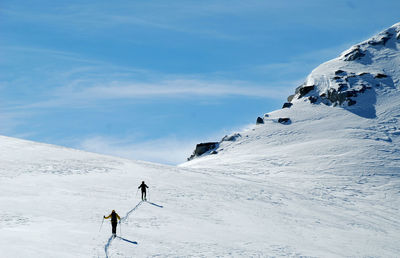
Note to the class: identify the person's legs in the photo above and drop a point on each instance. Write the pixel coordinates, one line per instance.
(143, 194)
(114, 228)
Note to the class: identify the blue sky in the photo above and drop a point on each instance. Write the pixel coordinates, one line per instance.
(148, 80)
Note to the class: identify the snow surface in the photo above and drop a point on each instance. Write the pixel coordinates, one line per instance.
(325, 185)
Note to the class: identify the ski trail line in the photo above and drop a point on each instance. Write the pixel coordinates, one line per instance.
(129, 212)
(121, 220)
(108, 245)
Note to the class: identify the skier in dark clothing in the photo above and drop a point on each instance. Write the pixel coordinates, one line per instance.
(114, 221)
(143, 187)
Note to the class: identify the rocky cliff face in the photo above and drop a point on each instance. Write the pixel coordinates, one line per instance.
(203, 148)
(211, 147)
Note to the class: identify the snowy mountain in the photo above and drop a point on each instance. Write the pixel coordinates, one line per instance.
(318, 178)
(363, 82)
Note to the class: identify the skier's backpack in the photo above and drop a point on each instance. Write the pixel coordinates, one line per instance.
(114, 217)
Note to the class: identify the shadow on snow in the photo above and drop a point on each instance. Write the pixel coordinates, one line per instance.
(152, 203)
(127, 240)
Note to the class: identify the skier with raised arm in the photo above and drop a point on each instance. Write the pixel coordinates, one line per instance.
(143, 187)
(114, 221)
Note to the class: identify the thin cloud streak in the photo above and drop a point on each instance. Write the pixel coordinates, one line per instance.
(170, 150)
(163, 150)
(174, 89)
(76, 94)
(91, 64)
(89, 17)
(89, 81)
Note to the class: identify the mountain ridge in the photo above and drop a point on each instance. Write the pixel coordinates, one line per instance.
(353, 81)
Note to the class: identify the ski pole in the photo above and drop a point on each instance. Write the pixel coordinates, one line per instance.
(120, 228)
(101, 224)
(137, 192)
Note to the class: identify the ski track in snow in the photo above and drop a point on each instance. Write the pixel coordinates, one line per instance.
(121, 220)
(108, 245)
(129, 212)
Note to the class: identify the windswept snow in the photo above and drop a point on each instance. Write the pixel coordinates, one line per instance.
(325, 185)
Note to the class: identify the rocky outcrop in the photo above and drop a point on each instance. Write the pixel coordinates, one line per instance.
(287, 105)
(351, 102)
(211, 147)
(343, 88)
(336, 97)
(300, 92)
(380, 75)
(354, 54)
(313, 99)
(203, 148)
(356, 84)
(305, 90)
(349, 86)
(339, 72)
(284, 120)
(231, 138)
(259, 120)
(380, 39)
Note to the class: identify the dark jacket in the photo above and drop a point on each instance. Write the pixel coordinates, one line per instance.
(143, 187)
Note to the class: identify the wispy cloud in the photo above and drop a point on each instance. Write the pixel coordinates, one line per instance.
(64, 55)
(77, 94)
(176, 88)
(169, 150)
(95, 18)
(85, 81)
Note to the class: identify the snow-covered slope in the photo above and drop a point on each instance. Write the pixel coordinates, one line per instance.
(53, 201)
(324, 184)
(340, 147)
